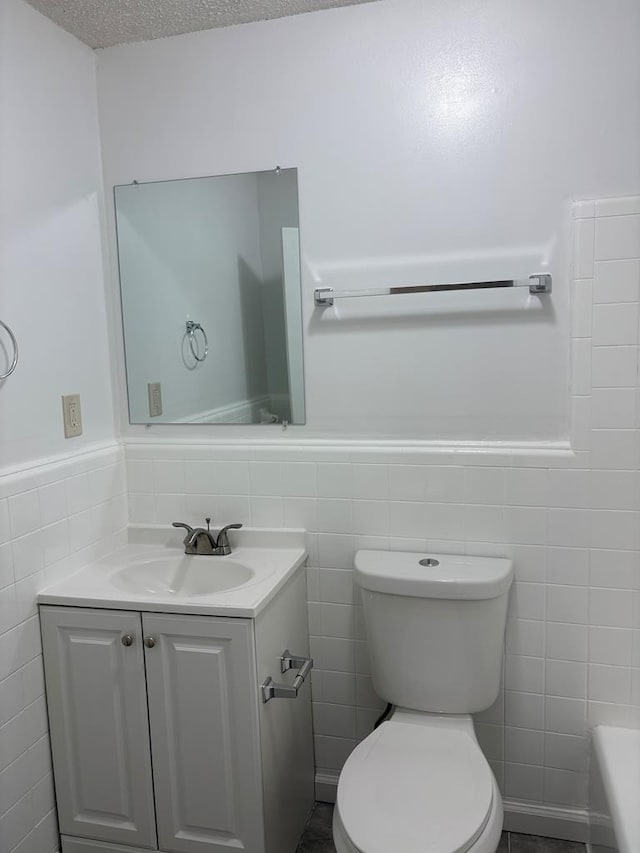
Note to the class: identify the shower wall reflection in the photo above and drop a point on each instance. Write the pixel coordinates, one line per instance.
(210, 282)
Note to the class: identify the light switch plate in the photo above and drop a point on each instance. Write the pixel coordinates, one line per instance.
(71, 415)
(155, 399)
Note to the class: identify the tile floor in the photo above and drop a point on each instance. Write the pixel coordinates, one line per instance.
(317, 838)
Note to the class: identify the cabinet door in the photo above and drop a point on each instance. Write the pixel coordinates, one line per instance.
(99, 727)
(201, 683)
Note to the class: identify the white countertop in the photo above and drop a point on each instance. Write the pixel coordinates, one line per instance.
(272, 555)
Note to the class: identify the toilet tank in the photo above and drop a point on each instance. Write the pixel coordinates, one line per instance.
(435, 632)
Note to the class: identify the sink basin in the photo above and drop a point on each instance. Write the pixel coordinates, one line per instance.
(152, 572)
(182, 575)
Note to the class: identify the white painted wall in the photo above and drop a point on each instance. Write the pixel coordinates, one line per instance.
(51, 263)
(433, 140)
(192, 250)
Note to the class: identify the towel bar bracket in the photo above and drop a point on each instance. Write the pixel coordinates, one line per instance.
(540, 283)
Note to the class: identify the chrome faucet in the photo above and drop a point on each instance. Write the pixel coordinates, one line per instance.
(203, 542)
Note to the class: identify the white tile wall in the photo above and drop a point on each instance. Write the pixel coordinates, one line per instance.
(53, 519)
(570, 520)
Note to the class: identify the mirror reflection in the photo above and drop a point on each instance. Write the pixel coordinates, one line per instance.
(211, 309)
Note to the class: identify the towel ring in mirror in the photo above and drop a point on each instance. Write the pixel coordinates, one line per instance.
(14, 360)
(194, 346)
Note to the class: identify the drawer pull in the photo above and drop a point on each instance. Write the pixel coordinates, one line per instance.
(127, 639)
(273, 690)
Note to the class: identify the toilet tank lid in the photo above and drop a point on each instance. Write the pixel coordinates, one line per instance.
(453, 576)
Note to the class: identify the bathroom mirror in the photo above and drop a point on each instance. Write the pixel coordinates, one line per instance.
(211, 308)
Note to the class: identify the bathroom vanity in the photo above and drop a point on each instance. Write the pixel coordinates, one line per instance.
(161, 735)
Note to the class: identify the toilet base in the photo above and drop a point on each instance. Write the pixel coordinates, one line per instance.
(489, 838)
(487, 841)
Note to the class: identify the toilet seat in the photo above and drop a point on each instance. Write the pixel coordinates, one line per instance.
(416, 789)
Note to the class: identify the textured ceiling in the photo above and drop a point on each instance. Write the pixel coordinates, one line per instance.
(102, 23)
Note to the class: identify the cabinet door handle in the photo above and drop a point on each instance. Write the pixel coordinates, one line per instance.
(149, 642)
(273, 690)
(127, 639)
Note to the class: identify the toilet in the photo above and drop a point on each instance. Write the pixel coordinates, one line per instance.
(419, 783)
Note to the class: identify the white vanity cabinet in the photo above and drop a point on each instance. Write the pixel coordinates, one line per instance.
(159, 735)
(97, 700)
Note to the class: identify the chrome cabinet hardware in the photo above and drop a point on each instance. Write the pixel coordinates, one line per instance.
(537, 283)
(127, 639)
(149, 642)
(273, 690)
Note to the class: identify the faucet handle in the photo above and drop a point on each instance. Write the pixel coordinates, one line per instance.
(229, 527)
(223, 540)
(187, 527)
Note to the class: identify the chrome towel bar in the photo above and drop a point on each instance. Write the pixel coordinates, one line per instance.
(537, 283)
(14, 344)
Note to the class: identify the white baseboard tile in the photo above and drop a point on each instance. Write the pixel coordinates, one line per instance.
(601, 835)
(326, 785)
(549, 821)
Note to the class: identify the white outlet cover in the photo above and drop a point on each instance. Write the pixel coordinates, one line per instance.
(71, 415)
(155, 399)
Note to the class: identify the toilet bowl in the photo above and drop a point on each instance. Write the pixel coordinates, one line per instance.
(419, 783)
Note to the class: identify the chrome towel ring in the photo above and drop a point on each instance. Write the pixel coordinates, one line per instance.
(14, 343)
(194, 346)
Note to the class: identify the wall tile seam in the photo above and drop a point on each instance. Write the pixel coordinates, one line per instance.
(6, 814)
(21, 666)
(99, 511)
(542, 765)
(625, 303)
(105, 505)
(38, 701)
(94, 543)
(28, 792)
(587, 668)
(79, 462)
(24, 707)
(20, 624)
(426, 470)
(52, 818)
(32, 829)
(337, 503)
(335, 737)
(426, 457)
(10, 495)
(46, 473)
(104, 499)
